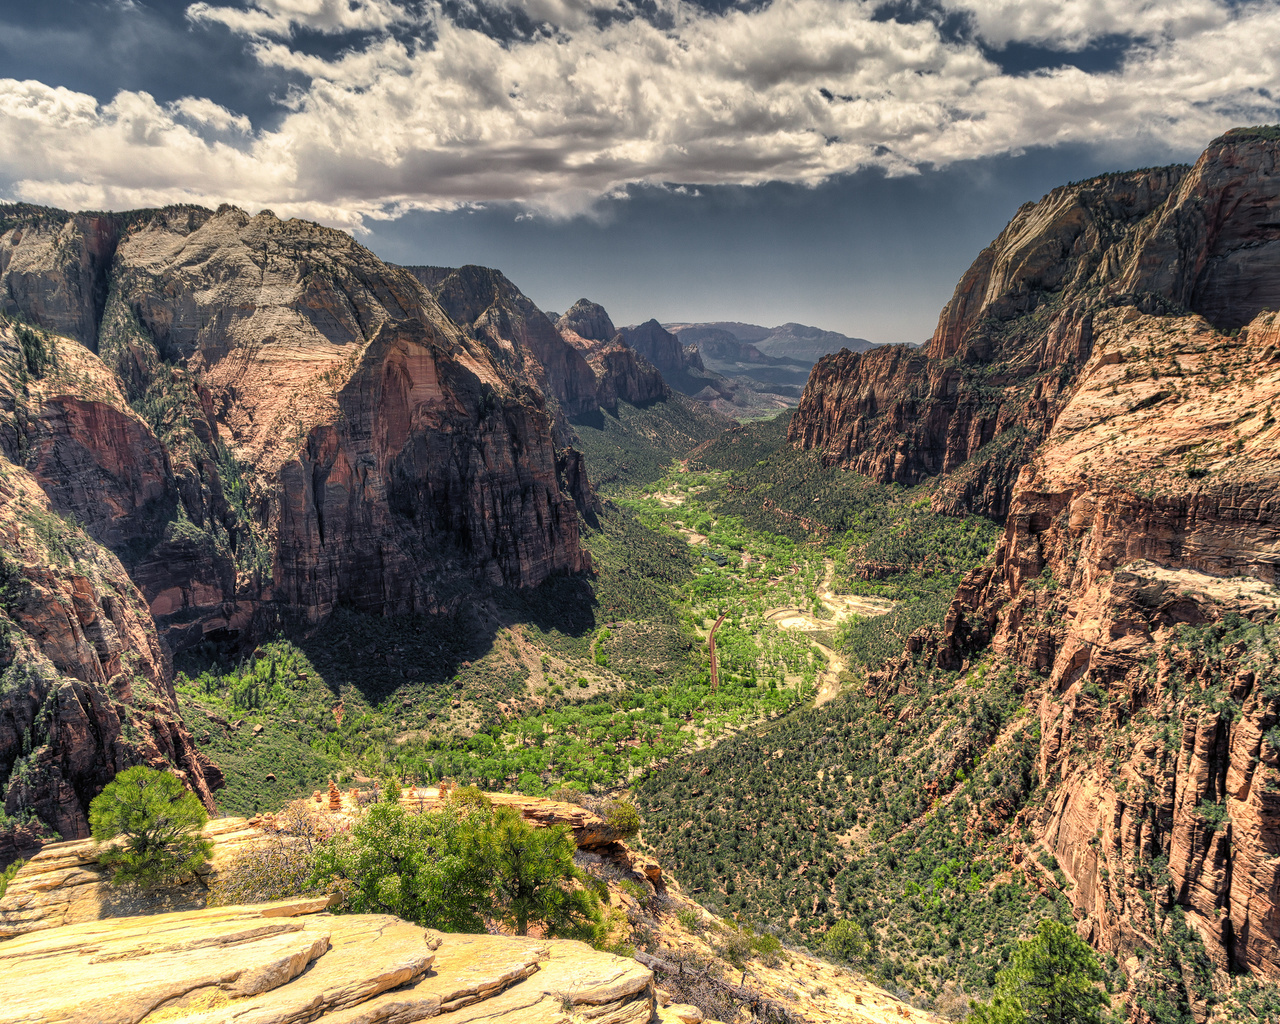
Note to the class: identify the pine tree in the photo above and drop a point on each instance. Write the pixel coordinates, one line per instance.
(535, 879)
(1051, 979)
(160, 823)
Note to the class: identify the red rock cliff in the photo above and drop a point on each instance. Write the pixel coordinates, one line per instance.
(1002, 363)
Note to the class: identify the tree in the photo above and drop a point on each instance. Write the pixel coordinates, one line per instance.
(1051, 979)
(431, 869)
(535, 879)
(845, 940)
(160, 822)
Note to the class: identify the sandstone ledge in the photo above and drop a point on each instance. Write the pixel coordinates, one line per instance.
(283, 963)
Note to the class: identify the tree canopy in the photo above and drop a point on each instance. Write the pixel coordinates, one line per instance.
(1051, 979)
(454, 868)
(159, 821)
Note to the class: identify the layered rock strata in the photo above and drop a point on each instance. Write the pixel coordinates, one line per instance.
(1150, 516)
(234, 422)
(87, 689)
(1003, 361)
(621, 373)
(284, 962)
(325, 429)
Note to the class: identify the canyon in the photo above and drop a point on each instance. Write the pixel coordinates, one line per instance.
(219, 429)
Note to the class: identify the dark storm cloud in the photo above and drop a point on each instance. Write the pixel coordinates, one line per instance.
(149, 46)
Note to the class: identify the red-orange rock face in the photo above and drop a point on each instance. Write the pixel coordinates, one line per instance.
(394, 494)
(382, 451)
(1008, 346)
(1088, 385)
(87, 689)
(275, 422)
(1146, 510)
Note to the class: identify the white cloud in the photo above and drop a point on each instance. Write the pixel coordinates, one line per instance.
(798, 91)
(281, 17)
(1073, 24)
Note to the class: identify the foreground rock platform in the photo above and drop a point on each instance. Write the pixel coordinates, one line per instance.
(64, 884)
(281, 963)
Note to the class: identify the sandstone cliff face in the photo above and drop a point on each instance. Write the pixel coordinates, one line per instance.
(55, 268)
(620, 372)
(260, 420)
(1137, 575)
(519, 335)
(86, 689)
(1087, 385)
(316, 428)
(1003, 361)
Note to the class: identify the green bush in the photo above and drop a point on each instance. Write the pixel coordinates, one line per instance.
(159, 821)
(455, 868)
(536, 881)
(431, 869)
(623, 817)
(6, 876)
(846, 941)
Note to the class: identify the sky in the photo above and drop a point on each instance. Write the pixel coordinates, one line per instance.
(833, 162)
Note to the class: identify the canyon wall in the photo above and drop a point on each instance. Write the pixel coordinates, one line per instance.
(236, 422)
(1105, 381)
(973, 403)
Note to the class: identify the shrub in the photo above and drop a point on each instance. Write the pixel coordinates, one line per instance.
(6, 876)
(160, 823)
(688, 918)
(845, 940)
(623, 817)
(283, 865)
(431, 869)
(535, 879)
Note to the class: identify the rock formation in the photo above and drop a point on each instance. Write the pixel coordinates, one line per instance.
(1152, 509)
(233, 422)
(519, 336)
(663, 349)
(620, 372)
(1088, 385)
(87, 687)
(315, 428)
(1009, 345)
(276, 963)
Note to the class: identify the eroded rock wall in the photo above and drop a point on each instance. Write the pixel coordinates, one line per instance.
(1003, 361)
(1136, 576)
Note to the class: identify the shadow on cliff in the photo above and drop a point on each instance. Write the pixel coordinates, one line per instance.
(383, 657)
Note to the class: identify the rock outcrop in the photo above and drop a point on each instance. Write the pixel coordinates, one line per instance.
(64, 884)
(1137, 572)
(284, 962)
(1134, 586)
(519, 336)
(662, 348)
(234, 422)
(315, 428)
(1003, 361)
(621, 374)
(87, 689)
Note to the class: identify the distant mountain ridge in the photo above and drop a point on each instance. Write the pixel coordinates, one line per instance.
(789, 341)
